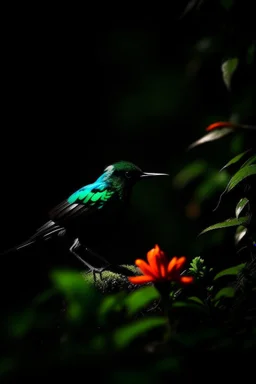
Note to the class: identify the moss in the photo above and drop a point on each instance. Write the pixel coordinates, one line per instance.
(114, 281)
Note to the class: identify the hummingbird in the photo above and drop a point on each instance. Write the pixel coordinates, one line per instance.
(92, 211)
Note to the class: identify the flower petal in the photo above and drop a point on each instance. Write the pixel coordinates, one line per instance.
(180, 262)
(144, 267)
(158, 261)
(153, 262)
(163, 263)
(171, 264)
(186, 279)
(140, 279)
(163, 269)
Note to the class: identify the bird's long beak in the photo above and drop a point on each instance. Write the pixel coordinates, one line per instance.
(148, 174)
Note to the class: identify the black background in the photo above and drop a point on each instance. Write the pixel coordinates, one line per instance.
(84, 88)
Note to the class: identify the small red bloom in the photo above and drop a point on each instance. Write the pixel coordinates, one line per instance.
(159, 269)
(221, 124)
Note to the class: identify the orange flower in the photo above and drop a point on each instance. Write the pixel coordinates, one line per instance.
(159, 269)
(221, 124)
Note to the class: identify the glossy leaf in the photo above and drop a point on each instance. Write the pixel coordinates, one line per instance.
(191, 305)
(236, 143)
(166, 364)
(213, 182)
(196, 300)
(227, 223)
(68, 281)
(189, 173)
(249, 161)
(44, 296)
(214, 135)
(111, 303)
(240, 205)
(82, 298)
(20, 325)
(240, 233)
(233, 271)
(235, 159)
(128, 333)
(140, 298)
(228, 68)
(240, 175)
(227, 292)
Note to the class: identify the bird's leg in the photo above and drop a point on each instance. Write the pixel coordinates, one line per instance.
(96, 256)
(94, 270)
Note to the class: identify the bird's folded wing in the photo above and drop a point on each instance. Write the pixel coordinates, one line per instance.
(84, 201)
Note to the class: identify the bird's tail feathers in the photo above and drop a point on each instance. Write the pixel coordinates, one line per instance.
(43, 233)
(18, 247)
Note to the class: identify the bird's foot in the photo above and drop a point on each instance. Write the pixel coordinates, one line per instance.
(93, 269)
(98, 271)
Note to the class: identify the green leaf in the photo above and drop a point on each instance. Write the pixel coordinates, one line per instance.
(227, 292)
(249, 161)
(237, 142)
(82, 298)
(196, 300)
(232, 271)
(227, 223)
(228, 68)
(210, 185)
(140, 298)
(19, 325)
(196, 264)
(69, 281)
(110, 304)
(235, 159)
(189, 173)
(214, 135)
(240, 233)
(44, 297)
(167, 364)
(240, 205)
(240, 176)
(128, 333)
(190, 304)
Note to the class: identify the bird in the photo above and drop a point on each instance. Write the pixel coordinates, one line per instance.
(92, 211)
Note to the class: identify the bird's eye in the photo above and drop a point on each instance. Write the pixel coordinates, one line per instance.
(128, 175)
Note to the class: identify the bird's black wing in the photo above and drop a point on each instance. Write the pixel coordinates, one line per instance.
(85, 201)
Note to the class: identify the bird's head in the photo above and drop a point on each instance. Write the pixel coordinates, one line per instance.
(128, 173)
